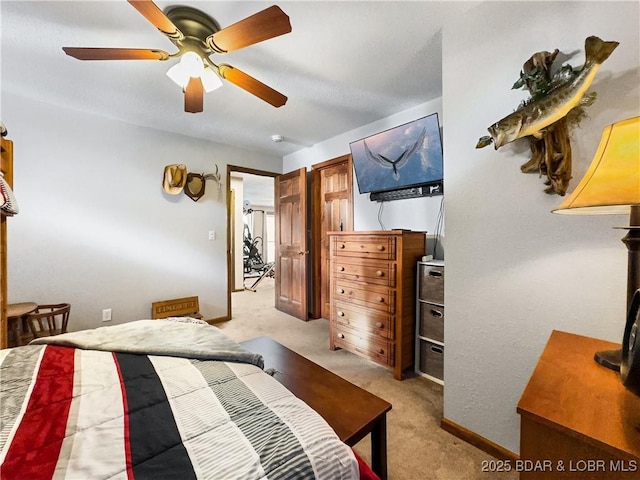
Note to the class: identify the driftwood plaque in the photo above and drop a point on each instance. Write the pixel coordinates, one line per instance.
(556, 105)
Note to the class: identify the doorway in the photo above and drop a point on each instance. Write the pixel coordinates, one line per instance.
(331, 208)
(250, 232)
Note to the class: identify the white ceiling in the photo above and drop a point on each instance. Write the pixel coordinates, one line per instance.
(345, 64)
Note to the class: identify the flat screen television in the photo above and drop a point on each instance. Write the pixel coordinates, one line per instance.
(406, 156)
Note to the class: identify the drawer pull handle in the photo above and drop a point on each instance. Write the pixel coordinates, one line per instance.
(379, 324)
(381, 299)
(381, 248)
(341, 335)
(342, 246)
(437, 349)
(341, 269)
(380, 273)
(435, 273)
(340, 313)
(380, 350)
(341, 290)
(436, 313)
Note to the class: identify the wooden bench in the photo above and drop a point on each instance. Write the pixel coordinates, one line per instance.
(178, 307)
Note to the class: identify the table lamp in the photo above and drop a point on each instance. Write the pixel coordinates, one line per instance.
(612, 186)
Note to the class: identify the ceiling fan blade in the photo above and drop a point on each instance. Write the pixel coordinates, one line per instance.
(268, 23)
(157, 17)
(194, 96)
(115, 53)
(251, 85)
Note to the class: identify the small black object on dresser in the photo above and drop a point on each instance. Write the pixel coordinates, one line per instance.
(630, 365)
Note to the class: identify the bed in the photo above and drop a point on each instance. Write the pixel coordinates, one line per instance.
(161, 399)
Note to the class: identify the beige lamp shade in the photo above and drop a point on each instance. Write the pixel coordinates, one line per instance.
(612, 182)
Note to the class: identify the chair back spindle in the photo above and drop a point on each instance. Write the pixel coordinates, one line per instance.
(48, 320)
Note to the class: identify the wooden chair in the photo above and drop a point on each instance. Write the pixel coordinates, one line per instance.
(178, 307)
(49, 320)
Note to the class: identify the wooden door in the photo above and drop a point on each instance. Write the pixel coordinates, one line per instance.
(332, 211)
(291, 243)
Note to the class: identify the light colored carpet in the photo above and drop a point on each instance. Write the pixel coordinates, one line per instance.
(418, 449)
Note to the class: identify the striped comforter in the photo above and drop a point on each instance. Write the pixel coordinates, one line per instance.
(76, 413)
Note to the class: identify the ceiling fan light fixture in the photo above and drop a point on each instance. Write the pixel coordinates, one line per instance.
(178, 75)
(210, 80)
(191, 65)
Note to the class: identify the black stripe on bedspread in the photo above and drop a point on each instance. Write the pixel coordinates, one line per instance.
(156, 447)
(281, 455)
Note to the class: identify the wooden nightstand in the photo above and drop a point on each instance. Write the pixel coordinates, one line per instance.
(577, 419)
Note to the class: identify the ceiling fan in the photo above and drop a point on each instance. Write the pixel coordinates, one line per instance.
(197, 36)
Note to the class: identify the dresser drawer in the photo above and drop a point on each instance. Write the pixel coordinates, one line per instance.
(432, 321)
(365, 246)
(379, 272)
(431, 280)
(375, 348)
(367, 321)
(369, 296)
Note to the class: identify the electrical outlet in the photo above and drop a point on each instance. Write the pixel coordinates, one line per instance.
(212, 234)
(106, 315)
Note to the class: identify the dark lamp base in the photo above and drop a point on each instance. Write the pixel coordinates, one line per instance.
(610, 359)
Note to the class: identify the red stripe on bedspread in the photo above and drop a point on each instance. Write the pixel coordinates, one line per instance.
(35, 448)
(125, 409)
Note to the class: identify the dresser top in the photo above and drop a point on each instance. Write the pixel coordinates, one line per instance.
(571, 393)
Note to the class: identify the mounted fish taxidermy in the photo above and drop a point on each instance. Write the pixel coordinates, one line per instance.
(557, 102)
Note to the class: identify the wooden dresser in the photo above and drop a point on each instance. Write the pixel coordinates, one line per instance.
(373, 294)
(577, 419)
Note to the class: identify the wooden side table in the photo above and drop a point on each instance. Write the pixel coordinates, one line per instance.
(577, 419)
(17, 314)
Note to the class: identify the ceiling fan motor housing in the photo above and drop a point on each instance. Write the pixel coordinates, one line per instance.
(195, 25)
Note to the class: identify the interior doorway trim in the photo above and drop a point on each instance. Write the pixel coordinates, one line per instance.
(230, 216)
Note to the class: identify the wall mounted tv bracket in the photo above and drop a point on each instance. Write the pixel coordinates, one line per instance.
(428, 190)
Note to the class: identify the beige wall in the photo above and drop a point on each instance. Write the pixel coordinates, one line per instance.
(514, 271)
(95, 227)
